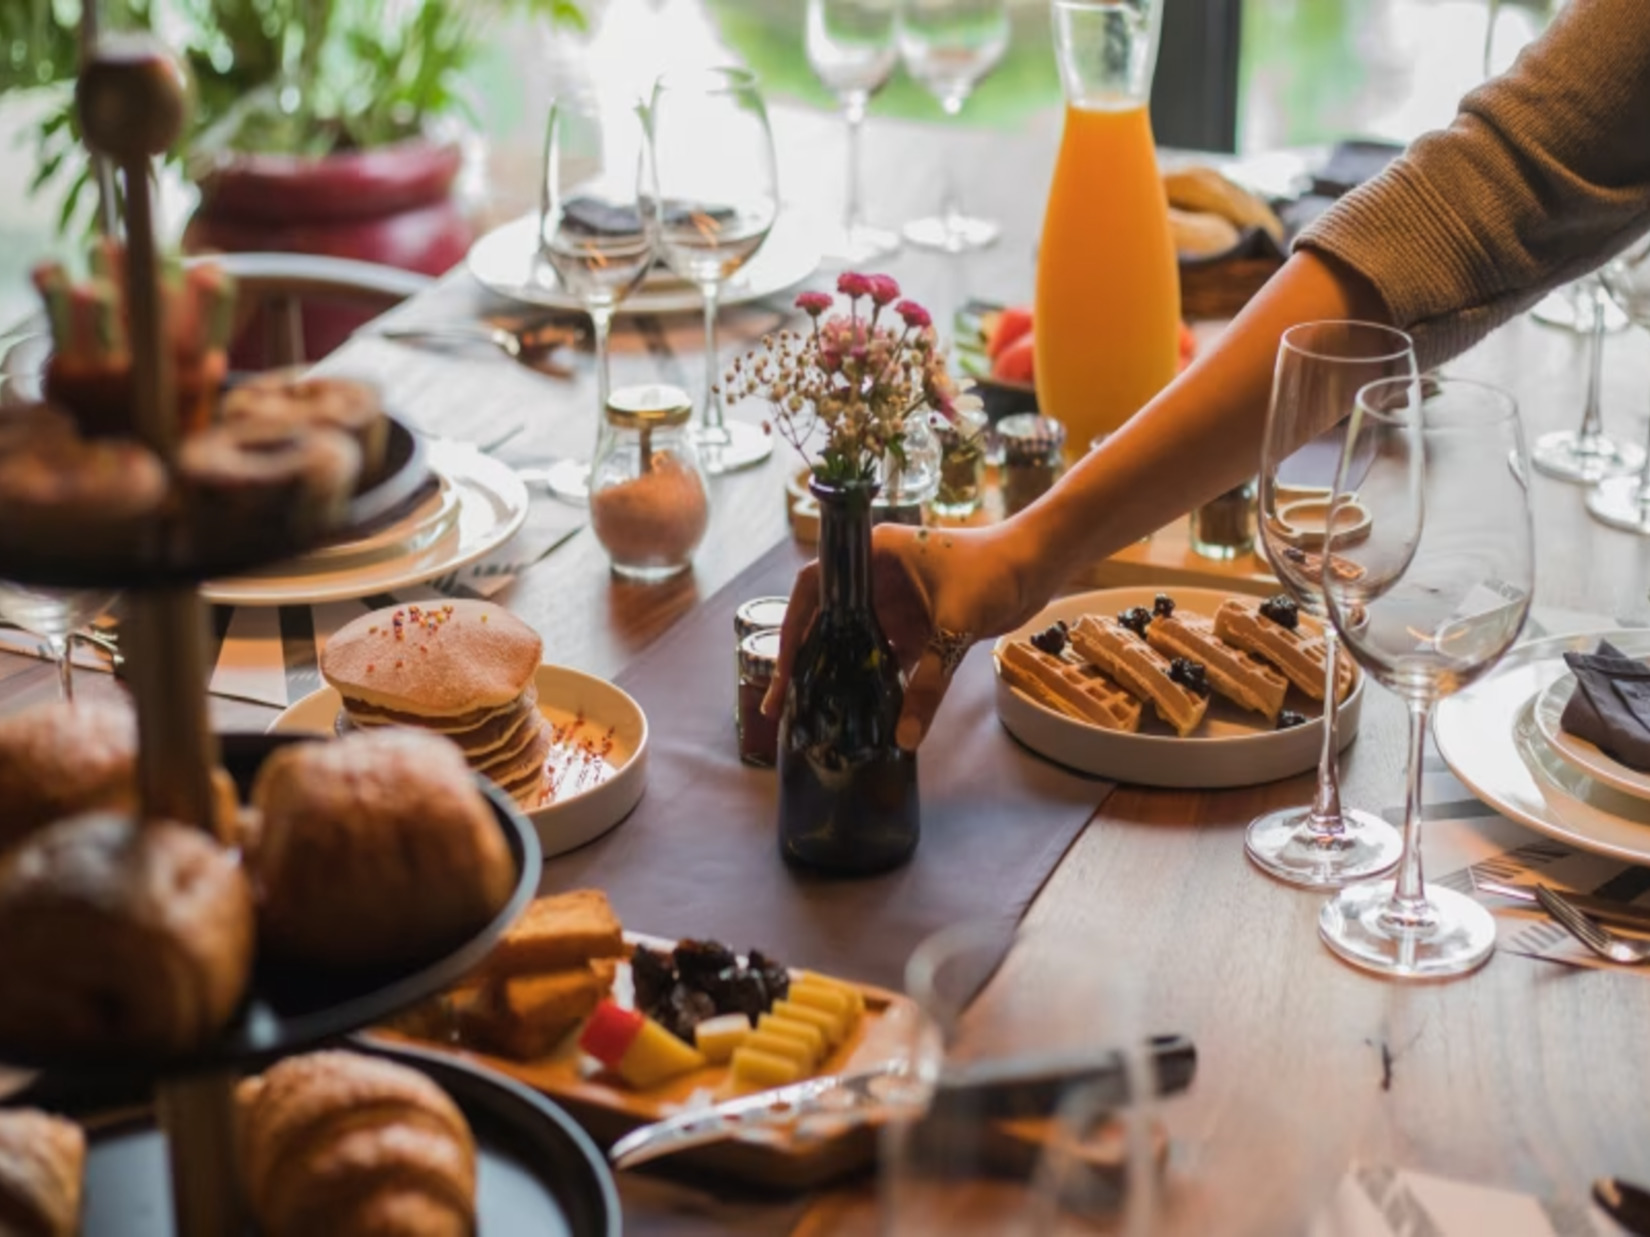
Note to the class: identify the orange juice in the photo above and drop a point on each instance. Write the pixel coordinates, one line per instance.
(1107, 317)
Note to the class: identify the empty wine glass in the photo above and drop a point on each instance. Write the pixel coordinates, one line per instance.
(1320, 368)
(717, 192)
(949, 46)
(1624, 501)
(850, 45)
(1427, 602)
(593, 230)
(1587, 454)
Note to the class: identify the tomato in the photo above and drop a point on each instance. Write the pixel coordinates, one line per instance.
(1015, 362)
(1013, 323)
(1188, 345)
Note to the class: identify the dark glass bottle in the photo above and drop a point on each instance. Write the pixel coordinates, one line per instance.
(847, 792)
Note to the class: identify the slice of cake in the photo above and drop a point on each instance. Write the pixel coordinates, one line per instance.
(1244, 680)
(1072, 688)
(1144, 671)
(1271, 630)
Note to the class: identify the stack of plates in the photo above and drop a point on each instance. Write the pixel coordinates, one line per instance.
(477, 504)
(1502, 738)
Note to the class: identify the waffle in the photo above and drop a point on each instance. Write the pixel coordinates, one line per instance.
(1140, 668)
(1299, 654)
(1242, 678)
(1068, 686)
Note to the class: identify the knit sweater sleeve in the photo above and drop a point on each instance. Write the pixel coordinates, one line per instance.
(1544, 173)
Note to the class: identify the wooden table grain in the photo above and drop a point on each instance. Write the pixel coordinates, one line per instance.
(1527, 1075)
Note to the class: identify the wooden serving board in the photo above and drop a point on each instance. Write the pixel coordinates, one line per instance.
(608, 1108)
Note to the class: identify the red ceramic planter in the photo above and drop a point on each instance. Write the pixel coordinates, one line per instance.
(392, 205)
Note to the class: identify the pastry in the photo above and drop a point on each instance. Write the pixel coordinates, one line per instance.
(556, 932)
(121, 938)
(42, 1166)
(347, 1145)
(376, 849)
(462, 668)
(527, 1017)
(1244, 680)
(282, 401)
(1126, 656)
(1075, 689)
(1299, 654)
(61, 759)
(102, 496)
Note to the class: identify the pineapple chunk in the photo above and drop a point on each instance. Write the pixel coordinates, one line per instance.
(780, 1046)
(755, 1070)
(717, 1037)
(803, 1032)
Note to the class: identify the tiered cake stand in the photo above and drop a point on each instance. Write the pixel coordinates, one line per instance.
(132, 103)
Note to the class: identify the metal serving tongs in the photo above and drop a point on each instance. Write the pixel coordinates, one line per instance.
(991, 1090)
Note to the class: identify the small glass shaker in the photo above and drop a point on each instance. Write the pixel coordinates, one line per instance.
(1224, 529)
(1033, 457)
(649, 504)
(962, 453)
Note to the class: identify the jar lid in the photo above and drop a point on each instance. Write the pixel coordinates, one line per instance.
(759, 614)
(1032, 427)
(651, 404)
(759, 654)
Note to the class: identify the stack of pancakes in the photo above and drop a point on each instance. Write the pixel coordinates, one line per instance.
(463, 669)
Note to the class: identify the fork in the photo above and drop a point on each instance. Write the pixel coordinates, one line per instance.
(1600, 940)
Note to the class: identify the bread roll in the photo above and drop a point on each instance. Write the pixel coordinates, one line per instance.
(42, 1165)
(354, 1146)
(373, 850)
(120, 938)
(62, 759)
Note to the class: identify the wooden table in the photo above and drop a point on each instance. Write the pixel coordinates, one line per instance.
(1526, 1075)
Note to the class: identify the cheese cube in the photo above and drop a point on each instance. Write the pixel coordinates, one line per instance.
(755, 1070)
(810, 979)
(717, 1037)
(803, 1032)
(817, 996)
(779, 1046)
(832, 1026)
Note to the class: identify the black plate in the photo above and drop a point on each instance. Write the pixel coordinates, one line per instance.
(290, 1009)
(54, 561)
(540, 1175)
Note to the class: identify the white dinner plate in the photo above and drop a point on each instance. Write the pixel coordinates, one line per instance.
(589, 714)
(490, 505)
(1488, 736)
(423, 525)
(507, 261)
(1232, 746)
(1584, 757)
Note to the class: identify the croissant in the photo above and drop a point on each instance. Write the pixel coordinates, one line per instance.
(120, 937)
(354, 1146)
(61, 759)
(42, 1161)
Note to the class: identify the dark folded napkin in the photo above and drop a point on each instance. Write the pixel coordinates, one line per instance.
(1350, 164)
(1610, 707)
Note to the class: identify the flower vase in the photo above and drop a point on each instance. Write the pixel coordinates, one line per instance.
(847, 791)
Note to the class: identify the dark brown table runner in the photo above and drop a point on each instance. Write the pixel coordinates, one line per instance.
(699, 856)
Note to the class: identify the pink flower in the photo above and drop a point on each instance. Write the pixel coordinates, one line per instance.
(852, 283)
(914, 315)
(884, 290)
(814, 303)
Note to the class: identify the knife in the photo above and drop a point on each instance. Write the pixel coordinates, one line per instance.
(1620, 914)
(1628, 1205)
(991, 1091)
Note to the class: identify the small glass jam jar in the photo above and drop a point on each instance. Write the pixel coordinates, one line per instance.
(1033, 456)
(962, 453)
(649, 503)
(759, 614)
(758, 735)
(1224, 528)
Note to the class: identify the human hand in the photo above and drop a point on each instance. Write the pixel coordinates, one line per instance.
(926, 581)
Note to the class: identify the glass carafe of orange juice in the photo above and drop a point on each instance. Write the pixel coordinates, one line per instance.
(1107, 317)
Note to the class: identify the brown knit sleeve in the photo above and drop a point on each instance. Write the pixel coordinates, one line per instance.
(1544, 173)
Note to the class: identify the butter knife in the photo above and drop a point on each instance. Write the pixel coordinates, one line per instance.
(1619, 914)
(991, 1090)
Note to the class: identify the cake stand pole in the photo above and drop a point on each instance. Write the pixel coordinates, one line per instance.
(198, 1115)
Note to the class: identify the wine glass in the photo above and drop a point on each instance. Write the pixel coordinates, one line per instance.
(1624, 501)
(1427, 602)
(1320, 368)
(949, 46)
(717, 192)
(593, 230)
(850, 45)
(1586, 454)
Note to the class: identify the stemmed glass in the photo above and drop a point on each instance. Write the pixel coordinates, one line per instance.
(1427, 602)
(1624, 501)
(593, 230)
(1320, 368)
(850, 46)
(949, 46)
(1586, 454)
(717, 192)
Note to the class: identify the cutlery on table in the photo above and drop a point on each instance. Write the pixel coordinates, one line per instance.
(1605, 943)
(1621, 914)
(527, 344)
(991, 1091)
(1628, 1205)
